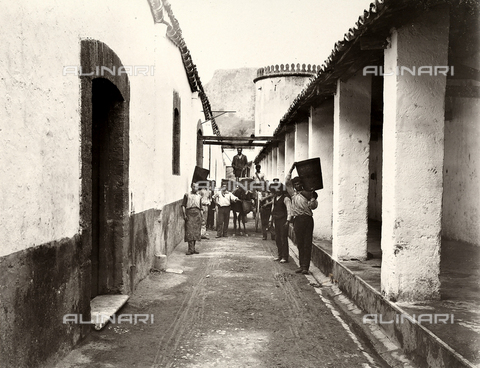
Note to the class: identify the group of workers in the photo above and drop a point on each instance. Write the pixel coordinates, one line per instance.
(279, 205)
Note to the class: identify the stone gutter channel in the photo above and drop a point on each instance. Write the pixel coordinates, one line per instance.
(407, 344)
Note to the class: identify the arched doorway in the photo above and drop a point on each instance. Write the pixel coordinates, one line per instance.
(105, 163)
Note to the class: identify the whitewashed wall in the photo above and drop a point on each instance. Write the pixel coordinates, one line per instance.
(40, 113)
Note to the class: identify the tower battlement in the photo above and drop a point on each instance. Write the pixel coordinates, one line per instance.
(287, 70)
(276, 86)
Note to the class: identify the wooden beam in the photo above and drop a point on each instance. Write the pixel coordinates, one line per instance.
(241, 139)
(236, 144)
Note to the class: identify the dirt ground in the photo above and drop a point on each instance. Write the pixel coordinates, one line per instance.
(232, 306)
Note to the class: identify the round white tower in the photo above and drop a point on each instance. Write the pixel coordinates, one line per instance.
(276, 87)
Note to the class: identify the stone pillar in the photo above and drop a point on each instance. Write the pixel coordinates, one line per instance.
(266, 164)
(301, 141)
(289, 150)
(413, 139)
(269, 166)
(320, 136)
(350, 167)
(281, 159)
(273, 173)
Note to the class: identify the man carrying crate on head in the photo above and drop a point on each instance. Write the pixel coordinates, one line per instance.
(303, 202)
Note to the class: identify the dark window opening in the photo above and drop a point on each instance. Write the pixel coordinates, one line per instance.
(176, 135)
(199, 148)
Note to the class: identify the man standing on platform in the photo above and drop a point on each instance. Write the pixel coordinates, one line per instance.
(239, 164)
(303, 202)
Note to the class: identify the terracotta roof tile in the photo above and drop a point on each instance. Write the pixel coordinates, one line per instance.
(174, 33)
(378, 19)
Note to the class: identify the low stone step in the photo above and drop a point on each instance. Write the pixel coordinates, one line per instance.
(104, 307)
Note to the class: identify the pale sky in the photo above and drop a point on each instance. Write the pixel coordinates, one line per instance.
(228, 34)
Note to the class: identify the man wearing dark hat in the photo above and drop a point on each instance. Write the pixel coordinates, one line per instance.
(266, 201)
(211, 207)
(281, 215)
(303, 202)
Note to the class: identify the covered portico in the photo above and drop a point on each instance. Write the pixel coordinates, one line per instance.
(390, 230)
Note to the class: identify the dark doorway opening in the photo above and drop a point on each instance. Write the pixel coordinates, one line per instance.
(376, 172)
(108, 187)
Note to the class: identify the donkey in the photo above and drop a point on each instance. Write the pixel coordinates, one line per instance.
(242, 207)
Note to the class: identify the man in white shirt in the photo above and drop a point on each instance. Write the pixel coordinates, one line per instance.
(205, 202)
(258, 176)
(223, 199)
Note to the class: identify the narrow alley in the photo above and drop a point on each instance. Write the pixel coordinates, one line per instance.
(349, 128)
(232, 306)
